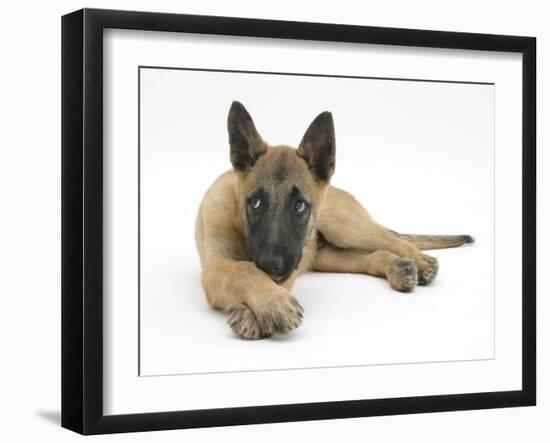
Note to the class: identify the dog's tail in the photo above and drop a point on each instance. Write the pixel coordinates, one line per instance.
(436, 241)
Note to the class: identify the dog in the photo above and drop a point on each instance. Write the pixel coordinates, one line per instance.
(275, 216)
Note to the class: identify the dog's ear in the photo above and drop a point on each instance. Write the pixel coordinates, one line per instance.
(318, 147)
(245, 142)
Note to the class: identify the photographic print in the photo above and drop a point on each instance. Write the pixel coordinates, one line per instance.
(276, 214)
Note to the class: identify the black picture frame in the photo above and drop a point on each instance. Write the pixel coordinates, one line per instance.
(82, 220)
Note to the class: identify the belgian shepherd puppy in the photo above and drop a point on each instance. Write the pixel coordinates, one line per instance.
(275, 215)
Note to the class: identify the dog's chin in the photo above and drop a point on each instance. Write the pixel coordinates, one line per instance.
(280, 280)
(284, 278)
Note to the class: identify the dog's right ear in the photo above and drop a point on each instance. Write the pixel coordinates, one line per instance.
(245, 142)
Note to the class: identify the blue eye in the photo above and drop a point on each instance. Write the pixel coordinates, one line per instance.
(300, 206)
(255, 203)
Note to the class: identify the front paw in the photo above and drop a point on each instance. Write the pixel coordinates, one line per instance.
(402, 275)
(427, 268)
(280, 313)
(243, 322)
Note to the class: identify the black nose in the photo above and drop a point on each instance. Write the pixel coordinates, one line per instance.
(273, 264)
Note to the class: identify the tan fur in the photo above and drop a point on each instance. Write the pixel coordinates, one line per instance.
(257, 306)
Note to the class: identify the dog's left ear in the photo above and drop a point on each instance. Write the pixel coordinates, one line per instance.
(318, 147)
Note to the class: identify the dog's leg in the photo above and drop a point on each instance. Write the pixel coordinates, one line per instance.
(257, 306)
(400, 272)
(344, 223)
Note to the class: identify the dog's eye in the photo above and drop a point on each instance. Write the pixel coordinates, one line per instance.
(300, 206)
(255, 203)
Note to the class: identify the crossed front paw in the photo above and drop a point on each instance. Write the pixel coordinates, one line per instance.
(274, 314)
(243, 322)
(280, 314)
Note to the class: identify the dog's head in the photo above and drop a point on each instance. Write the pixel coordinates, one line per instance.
(280, 189)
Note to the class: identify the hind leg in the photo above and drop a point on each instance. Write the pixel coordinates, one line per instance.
(400, 272)
(346, 224)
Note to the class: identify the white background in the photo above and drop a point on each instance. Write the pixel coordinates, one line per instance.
(30, 183)
(419, 155)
